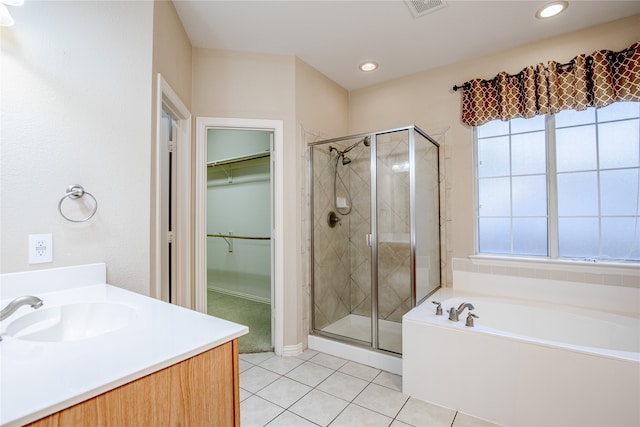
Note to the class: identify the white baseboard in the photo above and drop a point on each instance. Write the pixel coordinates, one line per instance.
(292, 350)
(239, 294)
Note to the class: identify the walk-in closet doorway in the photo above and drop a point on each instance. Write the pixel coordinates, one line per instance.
(238, 206)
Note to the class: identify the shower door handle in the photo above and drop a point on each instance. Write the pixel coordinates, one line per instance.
(369, 239)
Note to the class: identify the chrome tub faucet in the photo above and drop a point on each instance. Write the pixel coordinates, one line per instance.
(34, 302)
(454, 314)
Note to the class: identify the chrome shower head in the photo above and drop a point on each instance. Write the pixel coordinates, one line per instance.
(345, 160)
(366, 140)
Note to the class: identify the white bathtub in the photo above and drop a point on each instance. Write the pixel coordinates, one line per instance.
(524, 364)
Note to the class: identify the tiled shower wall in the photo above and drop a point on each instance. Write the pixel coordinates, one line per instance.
(359, 226)
(331, 257)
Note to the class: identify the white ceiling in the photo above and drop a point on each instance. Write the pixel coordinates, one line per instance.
(336, 36)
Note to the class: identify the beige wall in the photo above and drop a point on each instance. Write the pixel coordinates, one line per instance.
(322, 106)
(276, 87)
(254, 86)
(75, 109)
(321, 113)
(427, 100)
(244, 85)
(171, 50)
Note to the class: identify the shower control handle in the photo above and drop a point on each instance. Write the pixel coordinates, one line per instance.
(333, 219)
(438, 308)
(470, 317)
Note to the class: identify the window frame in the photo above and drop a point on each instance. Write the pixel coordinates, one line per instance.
(553, 251)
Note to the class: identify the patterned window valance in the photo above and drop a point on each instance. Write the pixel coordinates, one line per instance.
(595, 80)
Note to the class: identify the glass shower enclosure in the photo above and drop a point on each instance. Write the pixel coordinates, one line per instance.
(375, 246)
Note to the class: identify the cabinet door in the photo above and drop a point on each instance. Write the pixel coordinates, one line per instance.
(200, 391)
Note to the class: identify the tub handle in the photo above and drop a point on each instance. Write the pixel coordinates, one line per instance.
(438, 308)
(470, 317)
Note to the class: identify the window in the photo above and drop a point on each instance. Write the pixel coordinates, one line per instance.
(565, 185)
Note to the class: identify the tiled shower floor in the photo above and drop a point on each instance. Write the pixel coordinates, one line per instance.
(359, 328)
(316, 389)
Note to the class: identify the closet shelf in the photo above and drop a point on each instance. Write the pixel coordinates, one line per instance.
(238, 159)
(232, 236)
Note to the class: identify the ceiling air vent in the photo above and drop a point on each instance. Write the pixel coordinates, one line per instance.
(420, 8)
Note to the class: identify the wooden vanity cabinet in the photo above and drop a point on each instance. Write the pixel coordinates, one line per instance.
(200, 391)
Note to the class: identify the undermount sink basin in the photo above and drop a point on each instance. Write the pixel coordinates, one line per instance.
(71, 322)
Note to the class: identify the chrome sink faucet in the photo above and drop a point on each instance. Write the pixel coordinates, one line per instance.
(34, 302)
(454, 314)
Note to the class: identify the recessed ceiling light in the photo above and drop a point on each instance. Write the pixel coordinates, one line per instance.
(551, 9)
(368, 66)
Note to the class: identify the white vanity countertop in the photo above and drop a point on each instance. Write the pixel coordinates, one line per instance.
(39, 378)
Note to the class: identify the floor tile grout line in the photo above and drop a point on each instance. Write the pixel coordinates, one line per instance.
(354, 376)
(353, 402)
(453, 421)
(280, 413)
(362, 379)
(274, 418)
(285, 375)
(297, 415)
(266, 385)
(315, 387)
(300, 398)
(369, 382)
(373, 410)
(312, 388)
(401, 408)
(335, 357)
(339, 413)
(287, 409)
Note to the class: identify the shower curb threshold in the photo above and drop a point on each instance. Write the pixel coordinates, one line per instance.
(357, 354)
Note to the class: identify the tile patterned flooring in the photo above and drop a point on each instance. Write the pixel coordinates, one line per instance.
(317, 389)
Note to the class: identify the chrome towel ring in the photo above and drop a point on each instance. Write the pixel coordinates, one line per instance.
(75, 191)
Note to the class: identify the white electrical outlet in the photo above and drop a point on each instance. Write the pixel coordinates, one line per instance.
(40, 248)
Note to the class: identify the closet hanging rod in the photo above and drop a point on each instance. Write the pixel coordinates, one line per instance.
(232, 236)
(238, 159)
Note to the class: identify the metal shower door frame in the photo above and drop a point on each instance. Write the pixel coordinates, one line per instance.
(374, 344)
(373, 241)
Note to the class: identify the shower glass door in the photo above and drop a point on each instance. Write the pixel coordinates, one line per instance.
(375, 234)
(427, 225)
(341, 236)
(393, 220)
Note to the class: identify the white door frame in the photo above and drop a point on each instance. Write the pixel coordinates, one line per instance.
(168, 100)
(277, 221)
